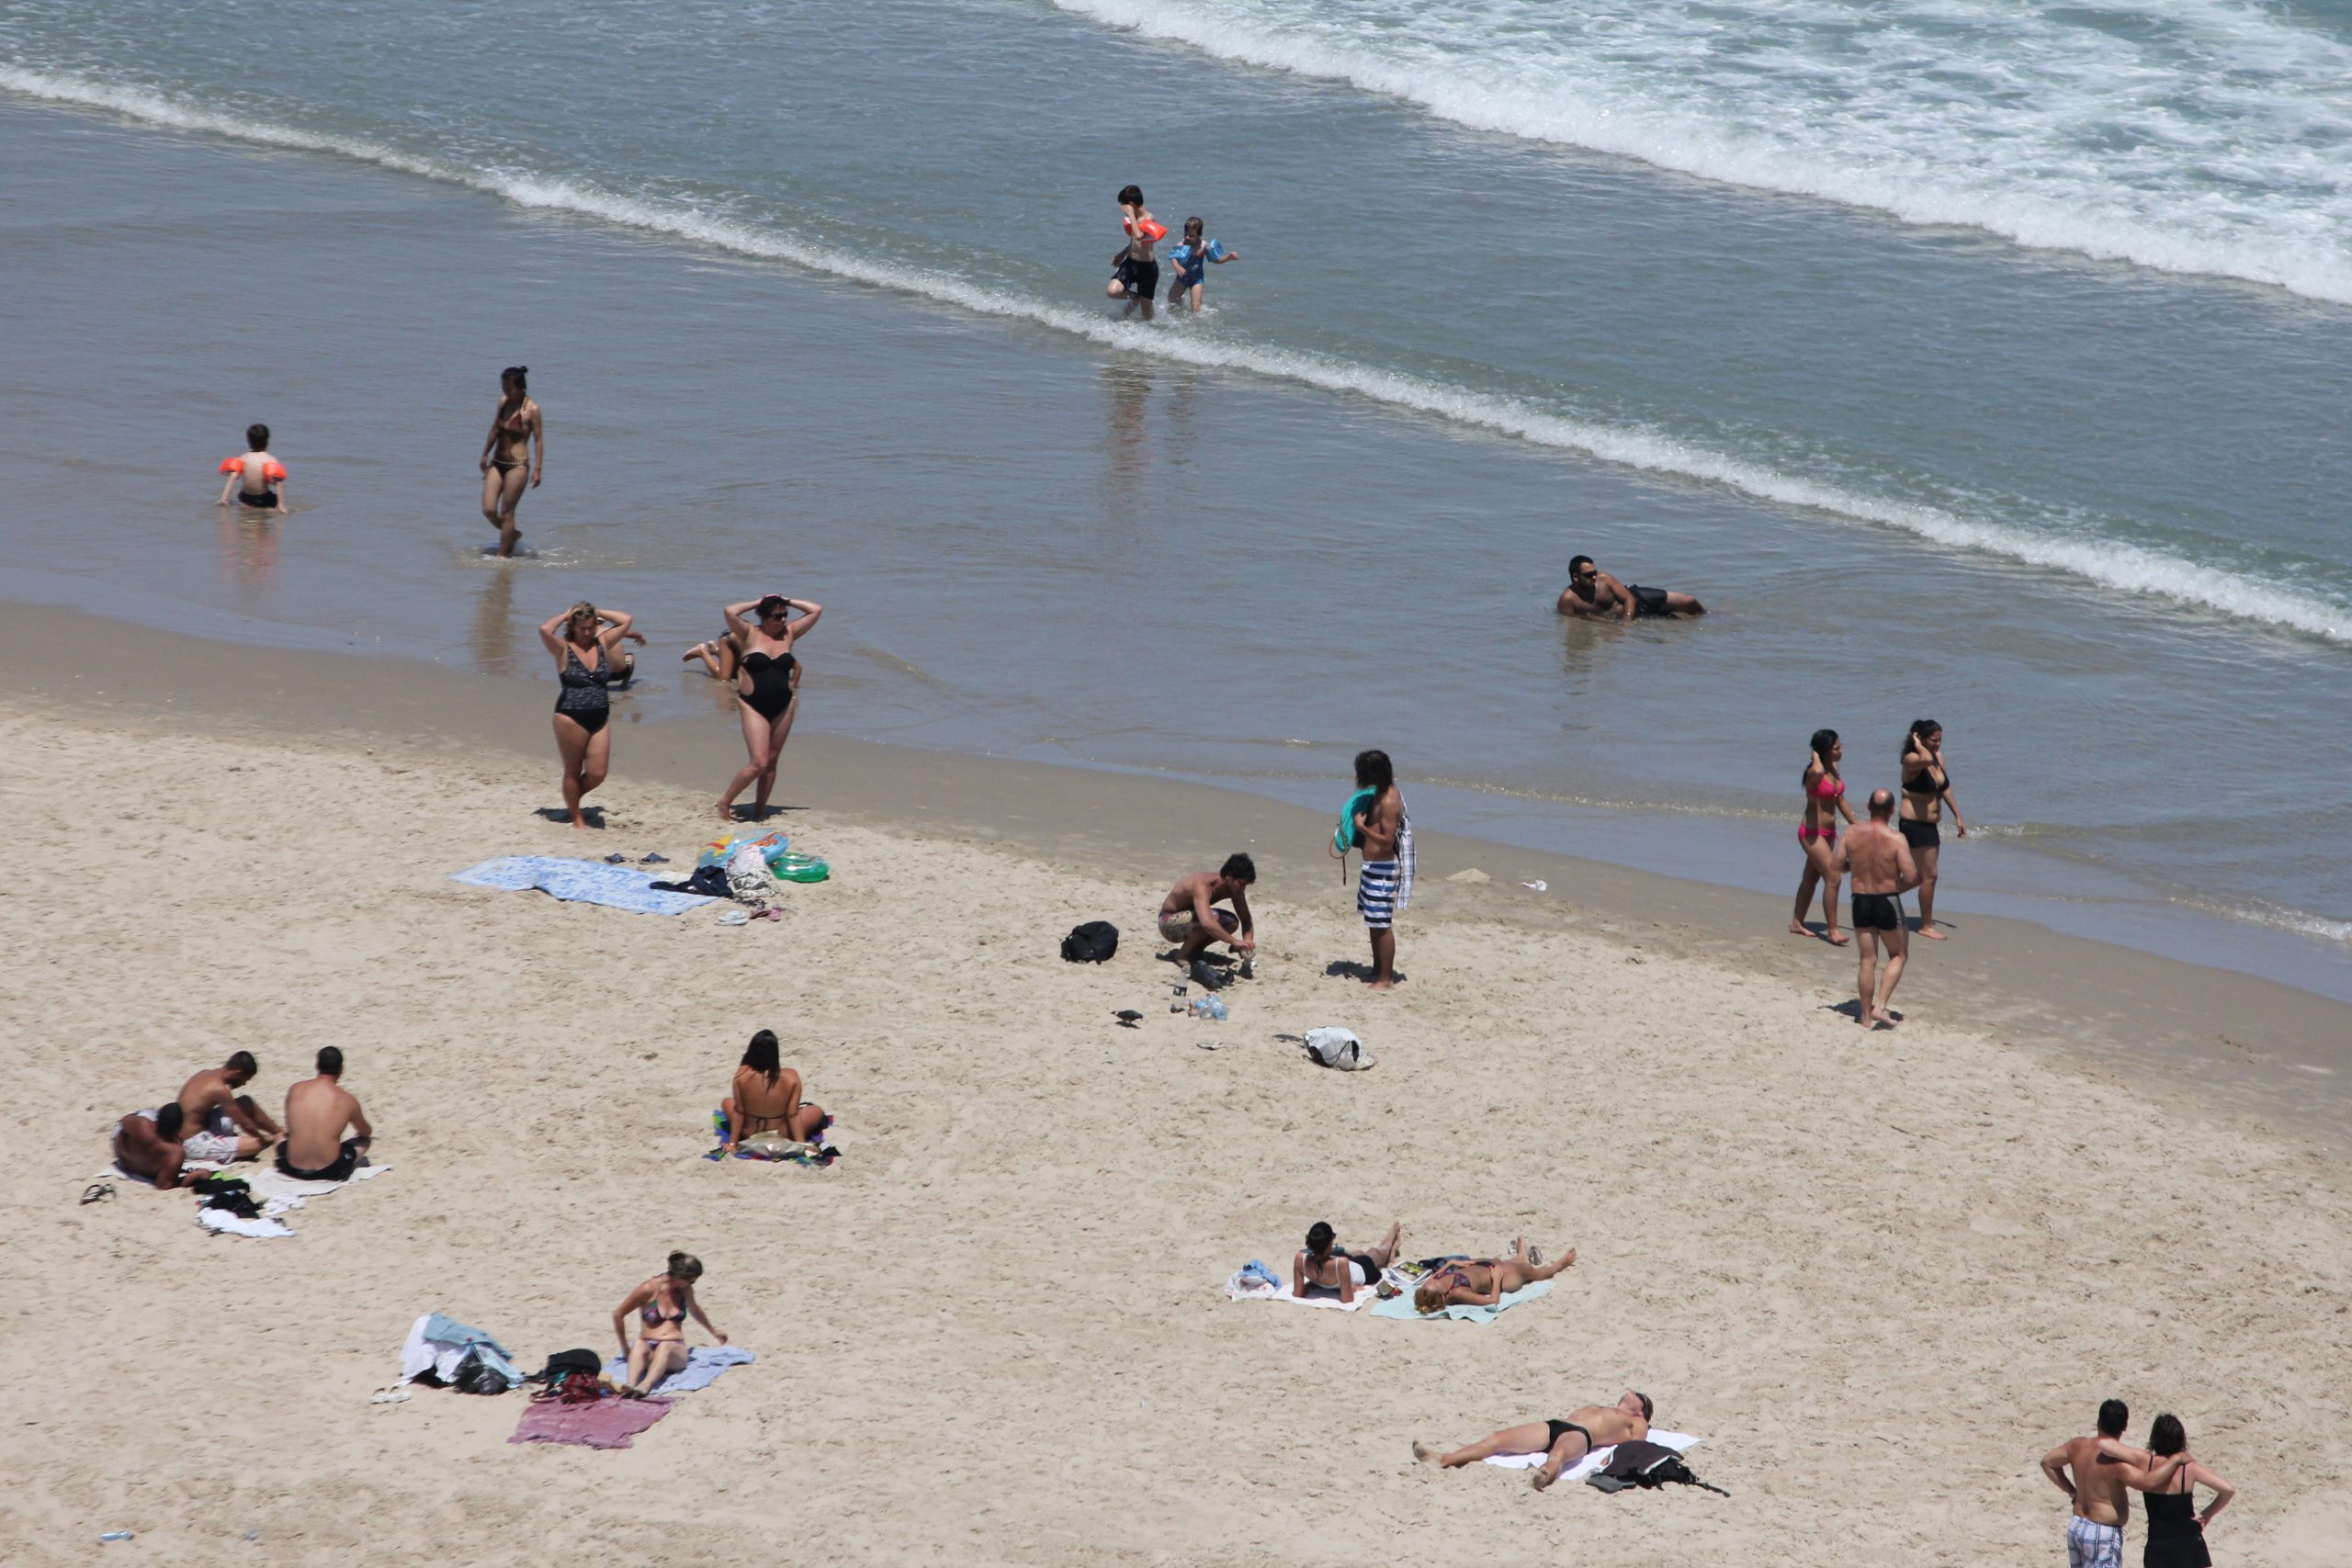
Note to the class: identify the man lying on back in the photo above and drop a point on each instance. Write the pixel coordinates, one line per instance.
(317, 1112)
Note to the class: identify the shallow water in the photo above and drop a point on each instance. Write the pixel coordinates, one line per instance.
(2084, 512)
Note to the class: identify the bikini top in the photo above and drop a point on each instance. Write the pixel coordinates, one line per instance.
(577, 674)
(1829, 786)
(519, 422)
(1924, 781)
(652, 1314)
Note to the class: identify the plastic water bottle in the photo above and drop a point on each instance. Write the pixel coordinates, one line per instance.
(115, 1535)
(1209, 1007)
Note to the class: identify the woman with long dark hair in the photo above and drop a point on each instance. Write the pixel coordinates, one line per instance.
(1927, 790)
(1824, 802)
(508, 466)
(764, 1098)
(2175, 1530)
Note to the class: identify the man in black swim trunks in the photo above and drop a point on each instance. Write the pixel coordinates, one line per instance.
(1593, 594)
(1562, 1442)
(318, 1111)
(1880, 870)
(1134, 270)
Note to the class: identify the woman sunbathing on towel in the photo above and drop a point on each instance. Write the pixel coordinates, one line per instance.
(765, 1099)
(664, 1303)
(1484, 1282)
(1325, 1267)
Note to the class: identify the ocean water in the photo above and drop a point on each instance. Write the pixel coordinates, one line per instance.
(1986, 362)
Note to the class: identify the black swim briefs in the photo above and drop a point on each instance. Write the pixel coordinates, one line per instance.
(1877, 912)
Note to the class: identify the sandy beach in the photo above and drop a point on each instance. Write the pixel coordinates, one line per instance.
(1877, 1274)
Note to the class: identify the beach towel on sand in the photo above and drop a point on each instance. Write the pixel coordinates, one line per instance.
(1593, 1462)
(703, 1363)
(606, 1424)
(578, 882)
(1402, 1306)
(1251, 1286)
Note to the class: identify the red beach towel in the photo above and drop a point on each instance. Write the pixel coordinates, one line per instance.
(607, 1424)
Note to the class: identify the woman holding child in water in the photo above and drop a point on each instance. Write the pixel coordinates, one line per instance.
(1824, 801)
(585, 642)
(507, 466)
(767, 688)
(662, 1303)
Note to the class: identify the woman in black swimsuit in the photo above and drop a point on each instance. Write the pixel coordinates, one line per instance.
(585, 641)
(507, 466)
(661, 1303)
(767, 687)
(1927, 790)
(2175, 1530)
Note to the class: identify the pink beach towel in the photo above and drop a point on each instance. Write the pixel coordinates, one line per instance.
(607, 1424)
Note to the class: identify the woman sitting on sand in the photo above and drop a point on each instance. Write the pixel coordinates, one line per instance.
(768, 688)
(765, 1100)
(720, 655)
(1325, 1268)
(587, 661)
(663, 1302)
(1484, 1282)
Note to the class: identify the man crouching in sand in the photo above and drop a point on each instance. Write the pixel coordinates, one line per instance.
(317, 1111)
(223, 1124)
(1562, 1442)
(1188, 916)
(1879, 869)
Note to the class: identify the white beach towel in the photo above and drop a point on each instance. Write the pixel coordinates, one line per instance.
(1236, 1291)
(1681, 1443)
(268, 1181)
(221, 1222)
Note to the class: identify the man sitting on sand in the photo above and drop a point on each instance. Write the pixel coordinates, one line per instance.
(2102, 1504)
(1878, 864)
(317, 1111)
(223, 1125)
(1188, 917)
(147, 1142)
(1562, 1442)
(1593, 594)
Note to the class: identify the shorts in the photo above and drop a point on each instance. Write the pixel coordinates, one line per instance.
(214, 1148)
(1920, 835)
(1178, 926)
(1877, 912)
(1142, 278)
(1362, 1270)
(266, 502)
(338, 1169)
(2090, 1544)
(1647, 601)
(1376, 894)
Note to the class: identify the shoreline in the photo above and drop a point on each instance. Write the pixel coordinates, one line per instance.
(2229, 1039)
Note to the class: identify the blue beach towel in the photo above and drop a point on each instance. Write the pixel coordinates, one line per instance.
(579, 882)
(703, 1363)
(1402, 1306)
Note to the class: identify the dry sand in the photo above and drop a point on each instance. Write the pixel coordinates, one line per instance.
(1878, 1273)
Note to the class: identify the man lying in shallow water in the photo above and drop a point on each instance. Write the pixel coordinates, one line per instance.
(1593, 594)
(1562, 1441)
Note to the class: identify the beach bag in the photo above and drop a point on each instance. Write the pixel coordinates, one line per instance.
(1093, 943)
(565, 1362)
(1338, 1048)
(1646, 1464)
(478, 1376)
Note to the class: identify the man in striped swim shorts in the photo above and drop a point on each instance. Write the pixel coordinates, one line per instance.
(1386, 884)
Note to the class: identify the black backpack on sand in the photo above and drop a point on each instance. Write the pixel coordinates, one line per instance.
(1640, 1463)
(1093, 943)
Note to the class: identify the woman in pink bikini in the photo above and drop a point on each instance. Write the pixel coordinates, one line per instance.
(1824, 801)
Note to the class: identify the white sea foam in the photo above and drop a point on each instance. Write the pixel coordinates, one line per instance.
(2107, 563)
(2193, 136)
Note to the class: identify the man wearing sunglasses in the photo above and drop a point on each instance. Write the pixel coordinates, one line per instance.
(1594, 594)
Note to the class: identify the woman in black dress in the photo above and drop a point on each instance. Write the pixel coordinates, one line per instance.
(2175, 1530)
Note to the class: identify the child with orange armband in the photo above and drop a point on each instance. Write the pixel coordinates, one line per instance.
(258, 478)
(1135, 272)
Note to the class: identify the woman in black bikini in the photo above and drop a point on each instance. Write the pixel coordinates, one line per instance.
(767, 685)
(585, 643)
(765, 1098)
(661, 1303)
(1927, 790)
(507, 466)
(1334, 1271)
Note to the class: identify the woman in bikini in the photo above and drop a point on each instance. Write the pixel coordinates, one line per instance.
(767, 686)
(1485, 1281)
(1824, 802)
(661, 1303)
(507, 465)
(585, 642)
(1330, 1269)
(765, 1098)
(1927, 790)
